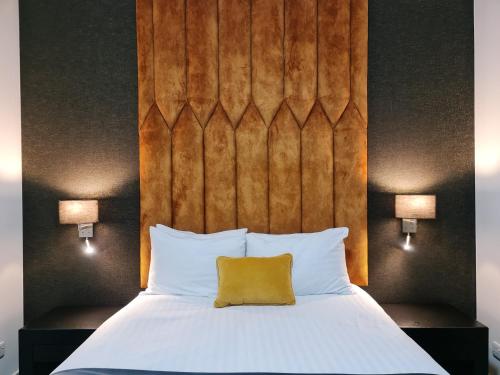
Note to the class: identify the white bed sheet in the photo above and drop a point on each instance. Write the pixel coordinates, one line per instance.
(328, 334)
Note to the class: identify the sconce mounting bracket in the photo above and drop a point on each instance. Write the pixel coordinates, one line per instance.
(409, 226)
(85, 230)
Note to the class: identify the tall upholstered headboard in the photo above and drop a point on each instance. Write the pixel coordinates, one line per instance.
(253, 113)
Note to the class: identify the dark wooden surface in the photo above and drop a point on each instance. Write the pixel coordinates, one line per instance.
(456, 341)
(73, 318)
(408, 315)
(47, 341)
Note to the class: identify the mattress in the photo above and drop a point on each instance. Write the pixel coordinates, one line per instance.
(323, 334)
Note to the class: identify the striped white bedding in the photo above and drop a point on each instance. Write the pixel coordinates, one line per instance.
(328, 334)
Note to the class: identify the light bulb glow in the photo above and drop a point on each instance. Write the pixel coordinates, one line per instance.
(89, 250)
(407, 245)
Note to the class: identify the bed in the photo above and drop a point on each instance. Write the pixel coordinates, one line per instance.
(266, 129)
(322, 334)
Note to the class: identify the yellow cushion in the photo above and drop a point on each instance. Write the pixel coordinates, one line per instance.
(255, 281)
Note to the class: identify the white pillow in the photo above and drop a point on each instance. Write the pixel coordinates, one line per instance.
(184, 233)
(187, 266)
(319, 265)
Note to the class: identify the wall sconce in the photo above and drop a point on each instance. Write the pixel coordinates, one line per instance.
(84, 213)
(413, 207)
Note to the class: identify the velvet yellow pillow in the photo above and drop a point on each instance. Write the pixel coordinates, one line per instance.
(255, 281)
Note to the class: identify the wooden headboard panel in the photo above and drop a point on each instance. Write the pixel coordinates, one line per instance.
(253, 113)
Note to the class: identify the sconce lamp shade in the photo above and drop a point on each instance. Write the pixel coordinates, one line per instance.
(416, 206)
(78, 212)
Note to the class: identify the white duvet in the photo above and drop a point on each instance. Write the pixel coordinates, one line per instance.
(329, 334)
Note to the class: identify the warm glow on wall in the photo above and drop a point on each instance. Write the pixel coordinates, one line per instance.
(10, 169)
(487, 159)
(10, 142)
(10, 160)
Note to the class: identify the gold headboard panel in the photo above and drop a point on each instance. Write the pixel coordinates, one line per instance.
(253, 113)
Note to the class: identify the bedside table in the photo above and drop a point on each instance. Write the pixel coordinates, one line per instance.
(46, 342)
(458, 343)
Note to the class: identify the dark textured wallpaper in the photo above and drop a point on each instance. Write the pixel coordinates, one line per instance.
(421, 140)
(79, 118)
(79, 139)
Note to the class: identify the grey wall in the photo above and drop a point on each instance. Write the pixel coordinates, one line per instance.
(80, 140)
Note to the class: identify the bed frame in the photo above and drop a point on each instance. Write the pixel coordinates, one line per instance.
(253, 113)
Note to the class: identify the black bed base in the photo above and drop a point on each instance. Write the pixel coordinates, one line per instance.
(99, 371)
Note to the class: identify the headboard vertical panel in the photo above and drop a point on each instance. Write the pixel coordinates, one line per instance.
(169, 57)
(156, 193)
(317, 172)
(301, 57)
(202, 57)
(188, 178)
(267, 56)
(252, 172)
(284, 173)
(350, 189)
(334, 74)
(220, 176)
(145, 58)
(359, 57)
(253, 113)
(234, 58)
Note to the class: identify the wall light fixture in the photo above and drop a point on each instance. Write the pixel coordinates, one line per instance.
(84, 213)
(413, 207)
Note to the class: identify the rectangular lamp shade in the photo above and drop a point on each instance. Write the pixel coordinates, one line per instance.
(78, 212)
(416, 206)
